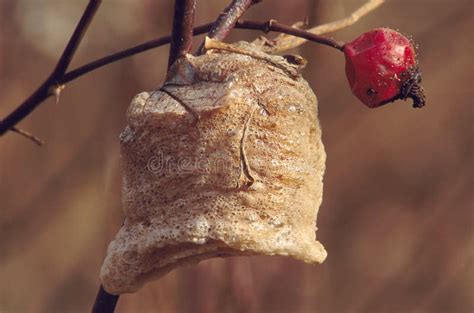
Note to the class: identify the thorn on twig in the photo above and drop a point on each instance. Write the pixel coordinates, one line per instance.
(56, 90)
(268, 26)
(28, 135)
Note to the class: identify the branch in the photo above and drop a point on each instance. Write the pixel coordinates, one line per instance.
(300, 34)
(104, 302)
(158, 42)
(48, 87)
(227, 20)
(155, 43)
(76, 37)
(182, 33)
(284, 42)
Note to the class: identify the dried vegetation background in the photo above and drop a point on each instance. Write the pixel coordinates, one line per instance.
(397, 217)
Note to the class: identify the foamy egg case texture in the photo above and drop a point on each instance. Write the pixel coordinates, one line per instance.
(224, 159)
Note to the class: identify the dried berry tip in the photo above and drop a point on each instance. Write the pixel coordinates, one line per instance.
(411, 87)
(417, 93)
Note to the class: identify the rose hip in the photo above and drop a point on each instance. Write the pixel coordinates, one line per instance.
(381, 67)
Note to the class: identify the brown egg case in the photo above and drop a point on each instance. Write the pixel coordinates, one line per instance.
(225, 159)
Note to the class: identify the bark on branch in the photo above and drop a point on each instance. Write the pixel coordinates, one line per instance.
(104, 302)
(227, 20)
(182, 32)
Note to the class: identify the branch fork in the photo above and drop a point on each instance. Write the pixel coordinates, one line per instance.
(44, 91)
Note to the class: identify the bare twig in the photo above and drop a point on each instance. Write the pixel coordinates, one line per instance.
(48, 87)
(76, 37)
(28, 135)
(227, 20)
(158, 42)
(284, 42)
(301, 34)
(347, 21)
(104, 302)
(182, 33)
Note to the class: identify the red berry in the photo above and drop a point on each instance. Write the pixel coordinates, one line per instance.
(381, 67)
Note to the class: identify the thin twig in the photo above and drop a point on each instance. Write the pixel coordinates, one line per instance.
(50, 84)
(28, 135)
(104, 302)
(283, 42)
(47, 88)
(274, 26)
(227, 20)
(182, 32)
(76, 37)
(155, 43)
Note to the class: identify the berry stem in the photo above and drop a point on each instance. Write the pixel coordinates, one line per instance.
(273, 25)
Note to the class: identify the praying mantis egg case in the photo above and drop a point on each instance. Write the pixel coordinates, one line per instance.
(224, 159)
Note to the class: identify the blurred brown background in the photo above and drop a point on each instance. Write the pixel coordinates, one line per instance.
(397, 217)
